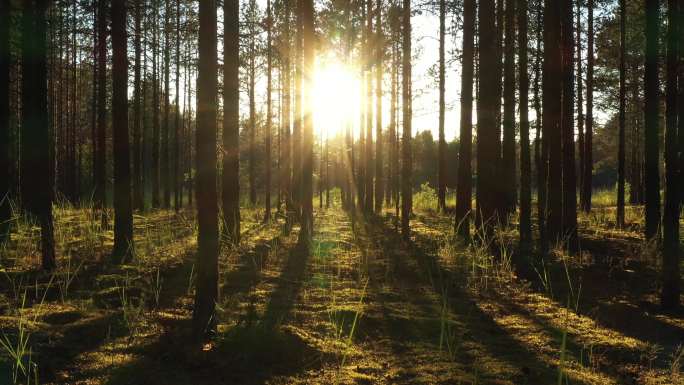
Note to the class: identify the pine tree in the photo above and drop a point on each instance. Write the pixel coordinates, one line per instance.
(231, 122)
(620, 219)
(123, 210)
(652, 119)
(36, 193)
(464, 186)
(308, 41)
(525, 166)
(203, 317)
(5, 144)
(441, 172)
(589, 125)
(407, 162)
(508, 145)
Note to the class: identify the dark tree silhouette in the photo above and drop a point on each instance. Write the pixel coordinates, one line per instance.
(137, 110)
(441, 172)
(407, 161)
(669, 296)
(552, 87)
(203, 319)
(487, 107)
(99, 169)
(123, 210)
(36, 191)
(525, 166)
(620, 219)
(508, 179)
(589, 126)
(269, 113)
(308, 41)
(652, 117)
(5, 160)
(156, 173)
(379, 71)
(464, 186)
(231, 122)
(568, 128)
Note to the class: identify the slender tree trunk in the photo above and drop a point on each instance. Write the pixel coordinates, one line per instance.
(568, 128)
(540, 143)
(203, 317)
(156, 198)
(379, 72)
(620, 219)
(368, 205)
(231, 122)
(269, 113)
(137, 152)
(297, 123)
(252, 106)
(123, 210)
(525, 166)
(286, 68)
(509, 184)
(441, 189)
(487, 112)
(670, 292)
(5, 144)
(306, 232)
(37, 193)
(589, 126)
(165, 168)
(652, 119)
(464, 186)
(177, 189)
(100, 153)
(580, 103)
(552, 120)
(407, 162)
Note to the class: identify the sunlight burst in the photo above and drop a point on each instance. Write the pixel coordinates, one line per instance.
(334, 93)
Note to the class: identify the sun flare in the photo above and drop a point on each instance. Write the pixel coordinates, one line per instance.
(334, 90)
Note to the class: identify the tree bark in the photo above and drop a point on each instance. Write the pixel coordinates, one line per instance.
(123, 210)
(36, 192)
(308, 41)
(379, 72)
(525, 166)
(670, 292)
(441, 189)
(231, 123)
(568, 128)
(407, 162)
(5, 144)
(652, 120)
(137, 118)
(589, 126)
(464, 186)
(620, 218)
(269, 113)
(203, 317)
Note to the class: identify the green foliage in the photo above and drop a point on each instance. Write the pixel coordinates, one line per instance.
(425, 199)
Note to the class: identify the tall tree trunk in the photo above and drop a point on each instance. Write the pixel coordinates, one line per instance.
(286, 68)
(5, 144)
(589, 126)
(580, 102)
(620, 219)
(269, 113)
(252, 104)
(177, 125)
(36, 192)
(165, 171)
(568, 128)
(297, 115)
(441, 150)
(508, 156)
(123, 210)
(540, 143)
(231, 122)
(407, 162)
(525, 166)
(652, 119)
(306, 232)
(156, 175)
(670, 292)
(137, 152)
(370, 171)
(552, 121)
(203, 317)
(464, 186)
(379, 72)
(487, 112)
(100, 175)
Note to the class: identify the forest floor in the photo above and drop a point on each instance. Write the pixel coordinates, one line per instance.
(362, 307)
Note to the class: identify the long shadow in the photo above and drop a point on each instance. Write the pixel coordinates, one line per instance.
(250, 264)
(481, 328)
